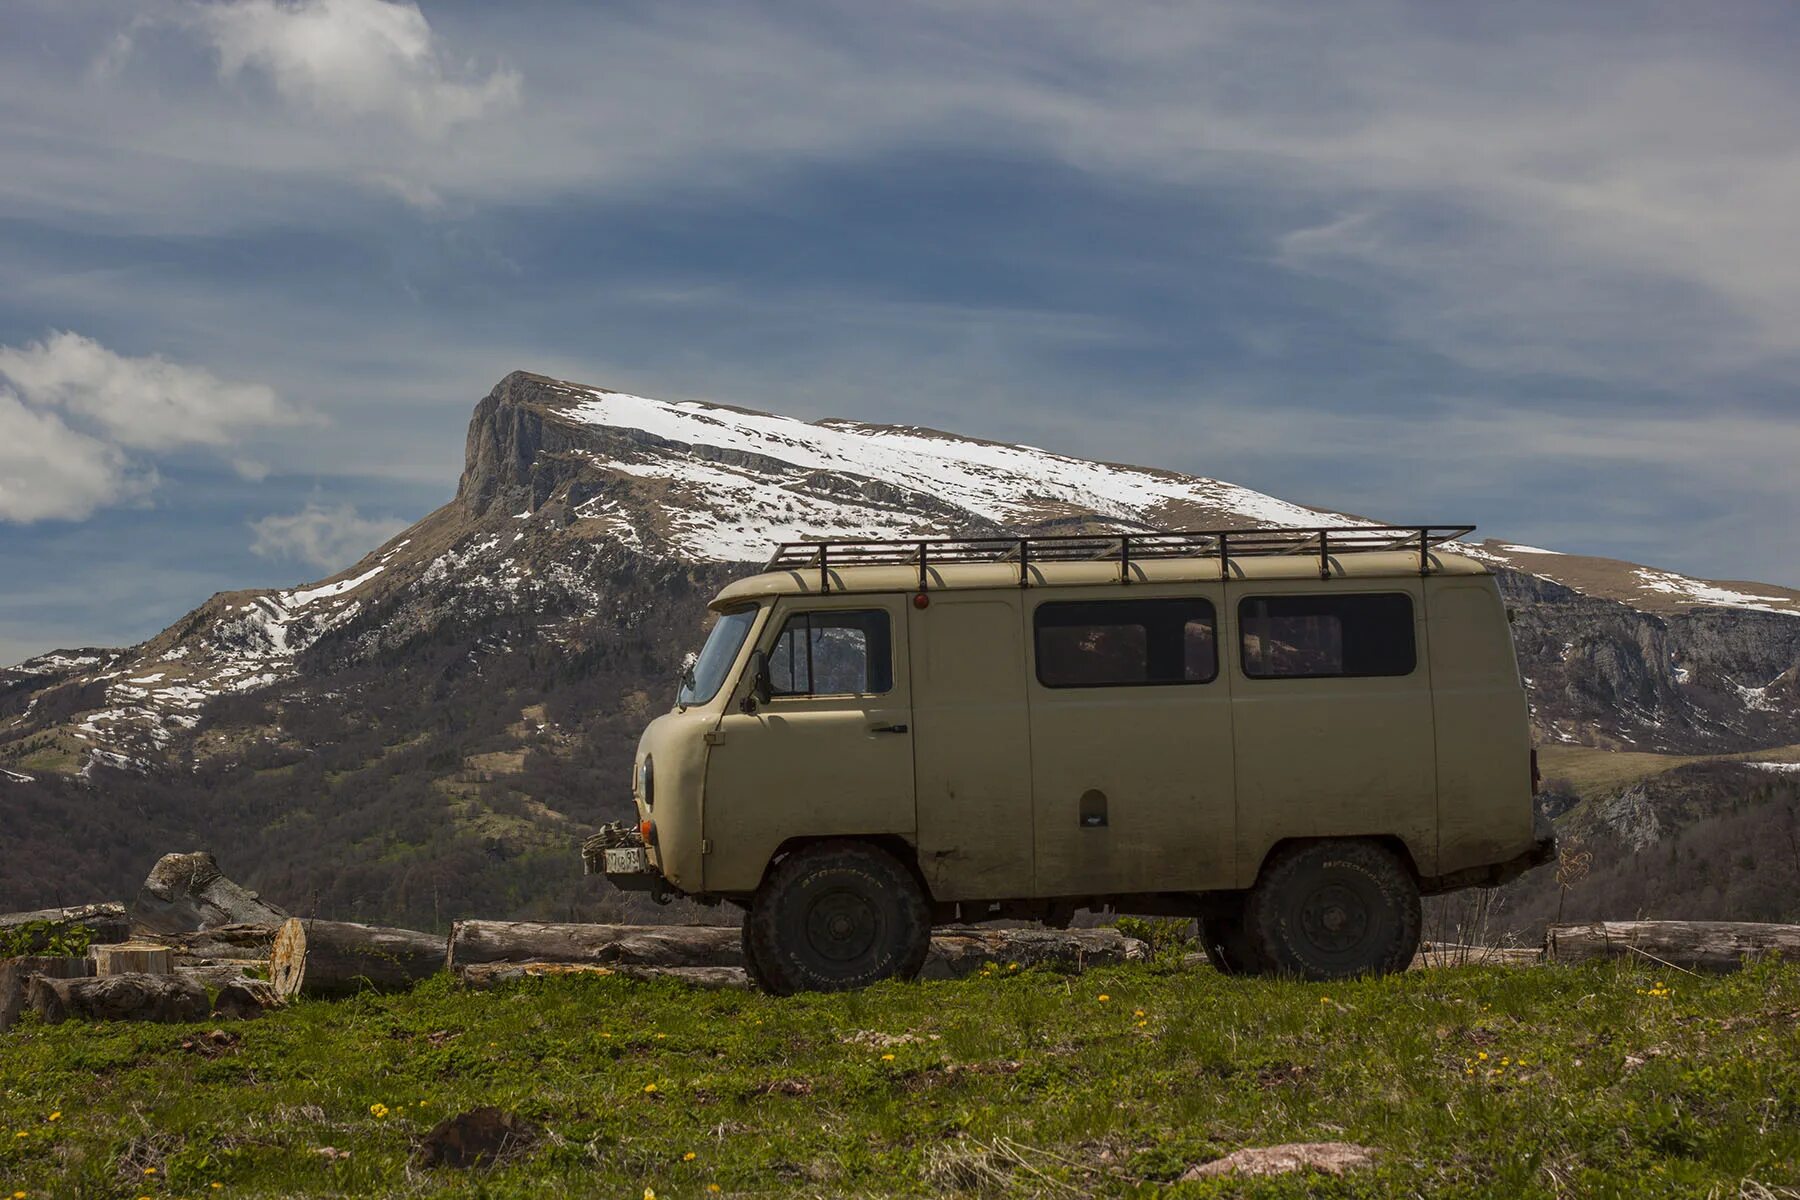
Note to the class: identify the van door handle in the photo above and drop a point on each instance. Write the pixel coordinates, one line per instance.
(887, 729)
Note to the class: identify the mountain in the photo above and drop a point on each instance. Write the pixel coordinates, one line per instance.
(427, 733)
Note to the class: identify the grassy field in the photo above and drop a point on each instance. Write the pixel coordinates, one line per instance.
(1473, 1081)
(1607, 772)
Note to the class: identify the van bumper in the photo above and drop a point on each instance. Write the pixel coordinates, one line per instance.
(1541, 851)
(618, 852)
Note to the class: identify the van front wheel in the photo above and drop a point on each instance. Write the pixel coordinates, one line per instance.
(1333, 910)
(837, 915)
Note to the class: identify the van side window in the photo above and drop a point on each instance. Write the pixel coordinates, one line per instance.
(832, 654)
(1124, 643)
(1320, 636)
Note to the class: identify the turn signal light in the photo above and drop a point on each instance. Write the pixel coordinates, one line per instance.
(647, 829)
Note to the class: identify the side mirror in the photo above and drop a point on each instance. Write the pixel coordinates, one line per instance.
(760, 688)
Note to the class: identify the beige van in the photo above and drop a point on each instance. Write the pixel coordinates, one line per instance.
(1290, 734)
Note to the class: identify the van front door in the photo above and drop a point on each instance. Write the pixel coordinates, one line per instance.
(831, 751)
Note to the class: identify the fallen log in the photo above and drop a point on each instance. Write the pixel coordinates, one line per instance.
(481, 976)
(955, 952)
(222, 943)
(336, 958)
(105, 923)
(608, 945)
(245, 999)
(959, 951)
(215, 975)
(17, 973)
(166, 998)
(1690, 945)
(188, 891)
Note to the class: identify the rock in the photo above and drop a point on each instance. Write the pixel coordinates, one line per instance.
(1331, 1158)
(956, 952)
(484, 1136)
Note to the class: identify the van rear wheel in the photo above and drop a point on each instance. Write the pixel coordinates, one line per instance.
(1333, 910)
(834, 916)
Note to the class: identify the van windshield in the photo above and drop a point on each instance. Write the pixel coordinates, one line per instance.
(702, 682)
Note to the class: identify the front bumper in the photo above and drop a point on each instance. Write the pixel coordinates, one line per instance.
(618, 852)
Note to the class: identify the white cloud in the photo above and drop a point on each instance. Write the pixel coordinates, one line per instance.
(327, 538)
(49, 471)
(74, 412)
(352, 59)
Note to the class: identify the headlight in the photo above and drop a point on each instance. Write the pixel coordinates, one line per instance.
(646, 782)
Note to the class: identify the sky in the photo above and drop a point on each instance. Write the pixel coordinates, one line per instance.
(1534, 266)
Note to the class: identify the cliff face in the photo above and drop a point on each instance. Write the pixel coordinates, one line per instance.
(426, 733)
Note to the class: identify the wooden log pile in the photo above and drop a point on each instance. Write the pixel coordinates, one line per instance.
(106, 922)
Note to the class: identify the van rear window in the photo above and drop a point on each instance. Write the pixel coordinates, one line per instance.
(1321, 636)
(1126, 643)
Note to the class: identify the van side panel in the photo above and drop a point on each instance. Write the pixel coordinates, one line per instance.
(1156, 760)
(1483, 727)
(972, 746)
(1333, 757)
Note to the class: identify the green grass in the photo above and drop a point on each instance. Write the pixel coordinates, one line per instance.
(1015, 1084)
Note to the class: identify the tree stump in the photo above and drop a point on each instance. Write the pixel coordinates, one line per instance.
(1691, 945)
(185, 892)
(104, 922)
(336, 958)
(608, 945)
(132, 958)
(16, 974)
(167, 998)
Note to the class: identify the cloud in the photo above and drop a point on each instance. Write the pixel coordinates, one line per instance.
(143, 403)
(352, 59)
(327, 538)
(49, 471)
(73, 412)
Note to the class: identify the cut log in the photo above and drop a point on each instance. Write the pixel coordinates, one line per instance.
(336, 958)
(608, 945)
(481, 976)
(118, 998)
(188, 891)
(959, 951)
(127, 958)
(1691, 945)
(245, 999)
(214, 975)
(17, 973)
(105, 922)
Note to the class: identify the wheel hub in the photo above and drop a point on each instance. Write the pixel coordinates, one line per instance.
(1335, 918)
(842, 926)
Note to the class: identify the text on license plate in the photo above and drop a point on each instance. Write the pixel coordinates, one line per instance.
(629, 860)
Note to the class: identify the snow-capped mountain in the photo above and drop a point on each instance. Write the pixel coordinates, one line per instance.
(496, 659)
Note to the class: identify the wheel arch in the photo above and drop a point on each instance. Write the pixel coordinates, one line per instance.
(1388, 841)
(894, 844)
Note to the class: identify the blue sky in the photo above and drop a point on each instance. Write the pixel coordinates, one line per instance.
(1533, 266)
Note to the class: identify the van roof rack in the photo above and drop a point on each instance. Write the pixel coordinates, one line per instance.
(1123, 548)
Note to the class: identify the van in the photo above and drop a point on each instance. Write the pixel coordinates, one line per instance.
(1291, 734)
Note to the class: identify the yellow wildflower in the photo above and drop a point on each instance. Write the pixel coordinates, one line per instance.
(18, 1196)
(690, 1156)
(22, 1133)
(57, 1115)
(1104, 997)
(149, 1170)
(661, 1036)
(378, 1110)
(887, 1058)
(1481, 1054)
(649, 1194)
(1324, 999)
(1012, 966)
(649, 1089)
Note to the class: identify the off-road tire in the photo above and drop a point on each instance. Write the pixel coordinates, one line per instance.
(1334, 910)
(1224, 937)
(752, 967)
(835, 916)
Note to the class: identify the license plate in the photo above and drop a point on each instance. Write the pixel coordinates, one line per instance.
(627, 860)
